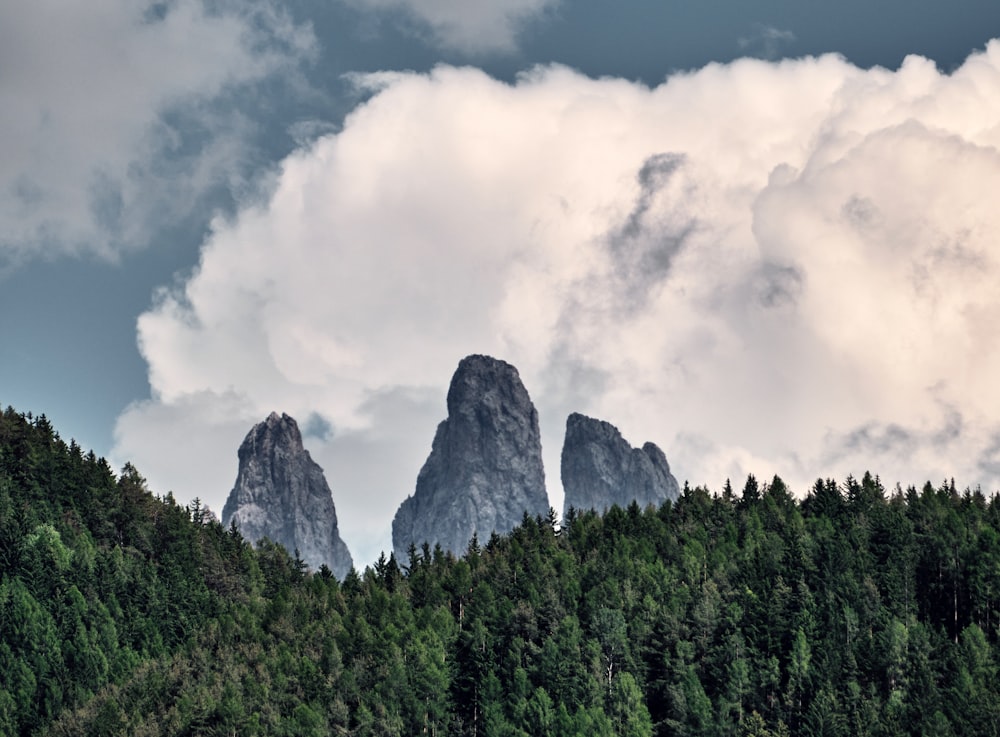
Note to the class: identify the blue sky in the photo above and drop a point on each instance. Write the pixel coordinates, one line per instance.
(748, 231)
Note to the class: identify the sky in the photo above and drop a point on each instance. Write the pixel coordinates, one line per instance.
(759, 234)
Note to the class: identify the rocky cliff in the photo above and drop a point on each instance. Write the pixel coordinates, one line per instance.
(485, 466)
(600, 469)
(281, 493)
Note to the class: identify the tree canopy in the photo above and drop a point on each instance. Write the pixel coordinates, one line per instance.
(855, 610)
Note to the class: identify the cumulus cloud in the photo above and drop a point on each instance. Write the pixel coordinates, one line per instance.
(763, 267)
(109, 115)
(468, 26)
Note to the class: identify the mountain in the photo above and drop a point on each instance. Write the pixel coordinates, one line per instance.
(485, 467)
(281, 493)
(600, 469)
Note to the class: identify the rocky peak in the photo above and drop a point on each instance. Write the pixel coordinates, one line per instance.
(600, 469)
(282, 494)
(485, 467)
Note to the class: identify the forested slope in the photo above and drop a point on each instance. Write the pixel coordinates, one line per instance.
(856, 611)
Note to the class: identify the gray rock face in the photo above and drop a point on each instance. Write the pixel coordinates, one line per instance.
(485, 467)
(281, 494)
(600, 469)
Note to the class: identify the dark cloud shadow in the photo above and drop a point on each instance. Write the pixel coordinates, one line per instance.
(317, 426)
(878, 439)
(779, 285)
(644, 247)
(989, 458)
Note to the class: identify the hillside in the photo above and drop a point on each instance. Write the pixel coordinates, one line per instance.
(855, 611)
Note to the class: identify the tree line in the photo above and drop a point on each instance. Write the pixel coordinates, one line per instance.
(855, 610)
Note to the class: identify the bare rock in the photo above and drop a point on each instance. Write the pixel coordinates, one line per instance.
(485, 467)
(282, 494)
(600, 469)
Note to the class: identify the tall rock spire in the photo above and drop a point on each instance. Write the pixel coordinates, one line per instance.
(485, 467)
(281, 493)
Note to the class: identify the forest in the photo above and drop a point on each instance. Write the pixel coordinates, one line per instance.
(845, 609)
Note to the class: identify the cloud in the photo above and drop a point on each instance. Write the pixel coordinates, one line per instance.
(644, 248)
(766, 40)
(879, 439)
(762, 267)
(175, 446)
(317, 426)
(115, 116)
(468, 26)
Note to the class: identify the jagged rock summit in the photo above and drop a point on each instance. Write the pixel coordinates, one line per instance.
(281, 493)
(485, 467)
(600, 469)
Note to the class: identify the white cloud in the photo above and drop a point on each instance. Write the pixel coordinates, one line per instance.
(766, 41)
(108, 119)
(469, 26)
(763, 267)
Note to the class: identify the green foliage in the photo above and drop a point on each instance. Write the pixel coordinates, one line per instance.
(856, 611)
